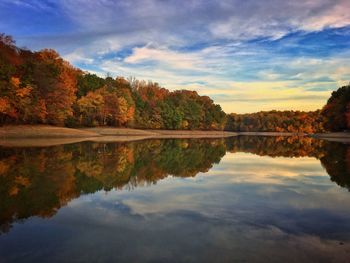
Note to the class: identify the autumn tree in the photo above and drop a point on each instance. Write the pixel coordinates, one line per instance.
(56, 82)
(276, 121)
(111, 104)
(35, 87)
(88, 82)
(90, 109)
(336, 111)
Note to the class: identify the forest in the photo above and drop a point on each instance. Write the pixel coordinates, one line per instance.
(42, 88)
(276, 121)
(334, 117)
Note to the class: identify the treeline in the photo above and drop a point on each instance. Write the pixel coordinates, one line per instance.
(40, 87)
(334, 116)
(276, 121)
(140, 104)
(336, 113)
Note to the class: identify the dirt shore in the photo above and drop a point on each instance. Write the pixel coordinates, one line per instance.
(45, 135)
(43, 131)
(109, 131)
(46, 131)
(272, 134)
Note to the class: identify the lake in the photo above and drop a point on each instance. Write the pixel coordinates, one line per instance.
(241, 199)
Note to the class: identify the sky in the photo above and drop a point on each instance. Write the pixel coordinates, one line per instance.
(246, 55)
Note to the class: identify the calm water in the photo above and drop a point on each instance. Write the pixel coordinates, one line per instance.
(246, 199)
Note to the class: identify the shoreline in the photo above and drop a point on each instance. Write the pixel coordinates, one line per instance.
(45, 135)
(47, 131)
(333, 136)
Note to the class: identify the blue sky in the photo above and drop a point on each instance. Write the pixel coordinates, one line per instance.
(246, 55)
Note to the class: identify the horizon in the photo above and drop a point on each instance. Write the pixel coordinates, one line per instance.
(247, 57)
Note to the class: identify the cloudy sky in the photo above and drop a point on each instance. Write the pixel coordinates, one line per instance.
(247, 55)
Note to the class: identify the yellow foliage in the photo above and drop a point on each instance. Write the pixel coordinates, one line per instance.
(13, 191)
(184, 124)
(4, 167)
(20, 180)
(4, 105)
(24, 92)
(15, 81)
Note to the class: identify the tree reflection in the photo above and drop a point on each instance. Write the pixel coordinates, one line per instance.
(334, 156)
(38, 181)
(336, 161)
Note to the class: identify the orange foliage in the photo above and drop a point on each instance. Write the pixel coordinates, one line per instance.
(347, 115)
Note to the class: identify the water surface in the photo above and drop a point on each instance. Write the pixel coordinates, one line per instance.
(243, 199)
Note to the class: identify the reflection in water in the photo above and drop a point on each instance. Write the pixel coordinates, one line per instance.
(41, 181)
(38, 181)
(334, 156)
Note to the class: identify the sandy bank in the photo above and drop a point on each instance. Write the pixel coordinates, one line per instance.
(46, 142)
(46, 131)
(109, 131)
(43, 131)
(271, 134)
(44, 135)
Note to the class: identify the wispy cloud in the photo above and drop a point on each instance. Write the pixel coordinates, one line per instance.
(249, 56)
(35, 5)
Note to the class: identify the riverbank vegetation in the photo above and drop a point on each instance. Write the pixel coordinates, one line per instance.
(276, 121)
(42, 88)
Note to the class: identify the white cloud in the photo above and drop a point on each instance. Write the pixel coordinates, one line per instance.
(165, 56)
(78, 56)
(35, 5)
(275, 19)
(203, 46)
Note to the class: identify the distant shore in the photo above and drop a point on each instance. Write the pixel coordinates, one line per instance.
(45, 135)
